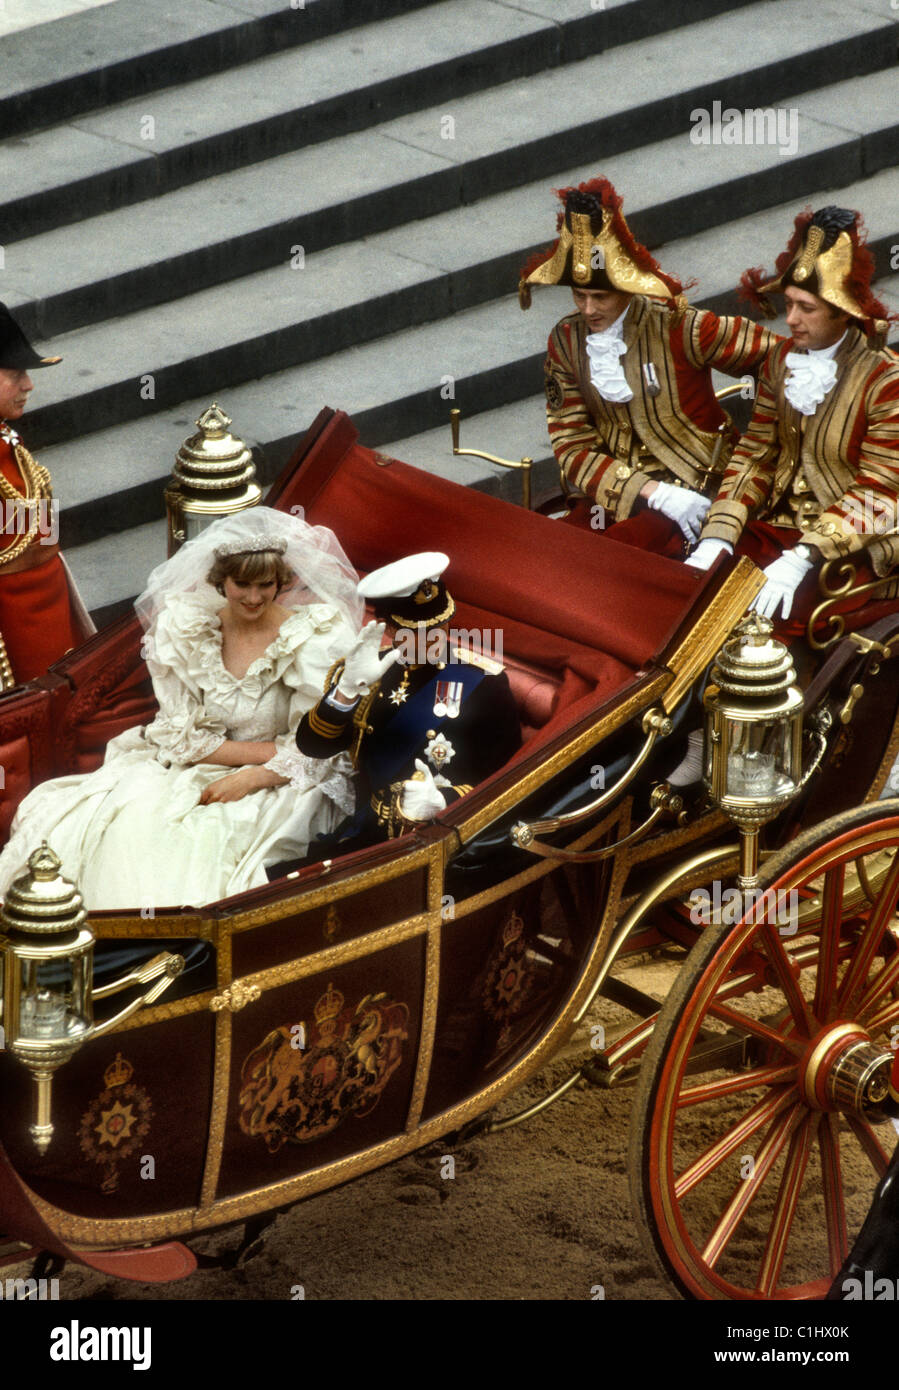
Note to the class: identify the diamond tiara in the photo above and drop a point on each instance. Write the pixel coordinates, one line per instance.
(250, 547)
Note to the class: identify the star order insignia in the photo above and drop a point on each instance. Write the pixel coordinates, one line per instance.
(399, 696)
(439, 751)
(116, 1122)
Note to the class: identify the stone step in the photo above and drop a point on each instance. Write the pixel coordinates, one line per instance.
(111, 571)
(217, 338)
(92, 58)
(400, 385)
(98, 163)
(53, 282)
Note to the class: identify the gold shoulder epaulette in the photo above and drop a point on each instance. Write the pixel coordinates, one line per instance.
(466, 657)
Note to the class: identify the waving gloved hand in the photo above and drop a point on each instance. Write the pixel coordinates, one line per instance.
(682, 505)
(364, 664)
(784, 575)
(421, 798)
(707, 552)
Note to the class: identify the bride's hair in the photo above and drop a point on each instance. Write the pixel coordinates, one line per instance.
(251, 567)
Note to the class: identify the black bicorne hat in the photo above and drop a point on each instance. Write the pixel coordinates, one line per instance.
(16, 353)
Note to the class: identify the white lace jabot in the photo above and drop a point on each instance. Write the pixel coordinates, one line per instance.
(605, 351)
(811, 375)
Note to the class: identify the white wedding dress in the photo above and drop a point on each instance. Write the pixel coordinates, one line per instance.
(132, 834)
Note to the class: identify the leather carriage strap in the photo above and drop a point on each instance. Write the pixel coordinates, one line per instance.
(847, 656)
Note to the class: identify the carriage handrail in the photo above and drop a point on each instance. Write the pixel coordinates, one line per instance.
(524, 464)
(656, 724)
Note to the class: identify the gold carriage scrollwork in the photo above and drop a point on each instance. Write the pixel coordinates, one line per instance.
(837, 582)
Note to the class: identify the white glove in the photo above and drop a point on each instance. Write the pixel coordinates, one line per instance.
(682, 505)
(784, 575)
(421, 798)
(364, 665)
(707, 552)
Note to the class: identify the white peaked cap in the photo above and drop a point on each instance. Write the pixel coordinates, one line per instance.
(403, 577)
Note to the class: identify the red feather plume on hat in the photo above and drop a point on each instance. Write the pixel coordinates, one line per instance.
(604, 191)
(857, 284)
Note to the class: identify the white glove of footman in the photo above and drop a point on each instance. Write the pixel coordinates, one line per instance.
(421, 798)
(707, 552)
(364, 664)
(682, 505)
(784, 575)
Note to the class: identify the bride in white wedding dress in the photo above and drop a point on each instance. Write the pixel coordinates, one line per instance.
(242, 625)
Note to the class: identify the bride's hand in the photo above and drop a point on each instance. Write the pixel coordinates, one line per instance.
(239, 784)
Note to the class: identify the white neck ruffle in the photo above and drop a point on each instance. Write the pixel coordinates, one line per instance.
(605, 351)
(811, 375)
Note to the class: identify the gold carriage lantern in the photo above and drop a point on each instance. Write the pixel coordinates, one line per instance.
(753, 734)
(46, 978)
(214, 476)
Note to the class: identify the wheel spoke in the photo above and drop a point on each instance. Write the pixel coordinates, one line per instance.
(755, 1119)
(834, 1206)
(748, 1188)
(870, 939)
(740, 1081)
(883, 1019)
(829, 949)
(869, 1141)
(758, 1029)
(785, 1206)
(777, 953)
(882, 983)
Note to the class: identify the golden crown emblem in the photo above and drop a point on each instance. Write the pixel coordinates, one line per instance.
(328, 1007)
(118, 1073)
(512, 929)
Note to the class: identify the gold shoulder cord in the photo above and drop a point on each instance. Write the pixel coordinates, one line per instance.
(7, 679)
(37, 488)
(361, 724)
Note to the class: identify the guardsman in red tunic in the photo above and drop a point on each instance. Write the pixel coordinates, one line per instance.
(816, 475)
(36, 621)
(631, 406)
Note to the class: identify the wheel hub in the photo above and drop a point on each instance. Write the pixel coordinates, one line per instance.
(843, 1070)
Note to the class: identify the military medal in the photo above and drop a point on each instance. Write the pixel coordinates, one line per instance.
(401, 694)
(448, 699)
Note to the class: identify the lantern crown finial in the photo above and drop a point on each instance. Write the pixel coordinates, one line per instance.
(41, 899)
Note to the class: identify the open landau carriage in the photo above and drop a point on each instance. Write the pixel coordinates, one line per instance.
(338, 1018)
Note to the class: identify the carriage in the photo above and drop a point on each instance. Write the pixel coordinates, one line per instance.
(365, 1006)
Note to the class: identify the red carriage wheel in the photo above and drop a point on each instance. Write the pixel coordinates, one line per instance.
(756, 1139)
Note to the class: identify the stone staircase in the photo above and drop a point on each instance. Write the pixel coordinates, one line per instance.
(286, 208)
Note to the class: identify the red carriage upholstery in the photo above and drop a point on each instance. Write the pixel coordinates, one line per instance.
(577, 615)
(27, 743)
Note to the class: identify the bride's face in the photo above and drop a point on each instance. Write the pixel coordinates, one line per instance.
(250, 600)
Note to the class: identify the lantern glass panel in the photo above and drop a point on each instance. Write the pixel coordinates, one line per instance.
(760, 758)
(54, 996)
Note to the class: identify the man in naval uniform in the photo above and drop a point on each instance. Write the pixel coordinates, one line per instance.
(424, 721)
(816, 475)
(631, 406)
(37, 622)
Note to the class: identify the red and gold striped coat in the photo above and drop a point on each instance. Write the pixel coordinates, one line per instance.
(834, 474)
(668, 431)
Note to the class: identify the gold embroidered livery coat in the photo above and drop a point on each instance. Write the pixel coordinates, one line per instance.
(834, 474)
(609, 450)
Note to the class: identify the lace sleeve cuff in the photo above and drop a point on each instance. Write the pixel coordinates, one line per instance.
(333, 776)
